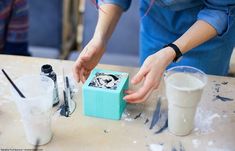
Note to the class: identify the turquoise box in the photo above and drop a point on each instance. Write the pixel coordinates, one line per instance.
(103, 94)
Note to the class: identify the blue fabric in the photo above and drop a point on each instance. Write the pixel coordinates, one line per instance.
(124, 4)
(13, 48)
(167, 20)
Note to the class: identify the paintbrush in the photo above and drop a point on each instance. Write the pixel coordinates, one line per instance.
(66, 106)
(13, 84)
(68, 93)
(156, 114)
(36, 145)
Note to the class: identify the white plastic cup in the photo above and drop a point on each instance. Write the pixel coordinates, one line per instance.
(35, 108)
(184, 87)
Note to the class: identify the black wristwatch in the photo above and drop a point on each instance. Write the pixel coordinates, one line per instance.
(178, 53)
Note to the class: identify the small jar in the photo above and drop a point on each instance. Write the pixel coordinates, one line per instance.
(47, 70)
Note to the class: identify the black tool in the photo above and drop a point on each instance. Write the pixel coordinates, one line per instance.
(65, 107)
(36, 145)
(13, 84)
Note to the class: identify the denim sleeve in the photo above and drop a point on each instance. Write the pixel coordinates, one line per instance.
(219, 14)
(124, 4)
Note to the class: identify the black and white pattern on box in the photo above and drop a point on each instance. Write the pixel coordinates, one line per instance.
(105, 80)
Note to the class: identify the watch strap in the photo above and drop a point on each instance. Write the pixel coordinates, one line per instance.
(176, 49)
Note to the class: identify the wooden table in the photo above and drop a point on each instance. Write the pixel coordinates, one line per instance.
(214, 130)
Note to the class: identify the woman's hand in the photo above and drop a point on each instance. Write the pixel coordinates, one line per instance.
(88, 59)
(151, 73)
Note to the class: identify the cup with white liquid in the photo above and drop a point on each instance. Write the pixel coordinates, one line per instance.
(184, 87)
(35, 108)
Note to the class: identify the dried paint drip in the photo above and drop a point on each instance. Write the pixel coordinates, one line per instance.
(106, 131)
(180, 147)
(224, 83)
(221, 98)
(217, 88)
(138, 116)
(147, 120)
(105, 80)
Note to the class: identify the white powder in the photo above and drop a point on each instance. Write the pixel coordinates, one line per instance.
(210, 143)
(204, 120)
(196, 143)
(156, 147)
(126, 116)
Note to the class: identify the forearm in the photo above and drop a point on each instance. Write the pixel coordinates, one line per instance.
(197, 34)
(109, 15)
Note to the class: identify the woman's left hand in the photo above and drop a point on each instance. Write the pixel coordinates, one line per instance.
(150, 73)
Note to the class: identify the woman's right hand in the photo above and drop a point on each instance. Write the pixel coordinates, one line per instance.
(88, 59)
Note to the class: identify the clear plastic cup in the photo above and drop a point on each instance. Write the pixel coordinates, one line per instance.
(184, 87)
(35, 108)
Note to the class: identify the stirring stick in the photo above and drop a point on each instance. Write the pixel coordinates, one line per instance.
(36, 145)
(13, 84)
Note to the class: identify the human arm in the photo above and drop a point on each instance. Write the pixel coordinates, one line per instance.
(213, 20)
(109, 15)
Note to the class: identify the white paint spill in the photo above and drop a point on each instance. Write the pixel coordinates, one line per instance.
(225, 116)
(134, 142)
(196, 143)
(156, 147)
(204, 120)
(210, 143)
(126, 116)
(214, 116)
(128, 119)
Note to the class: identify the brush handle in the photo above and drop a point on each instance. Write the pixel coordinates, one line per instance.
(13, 84)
